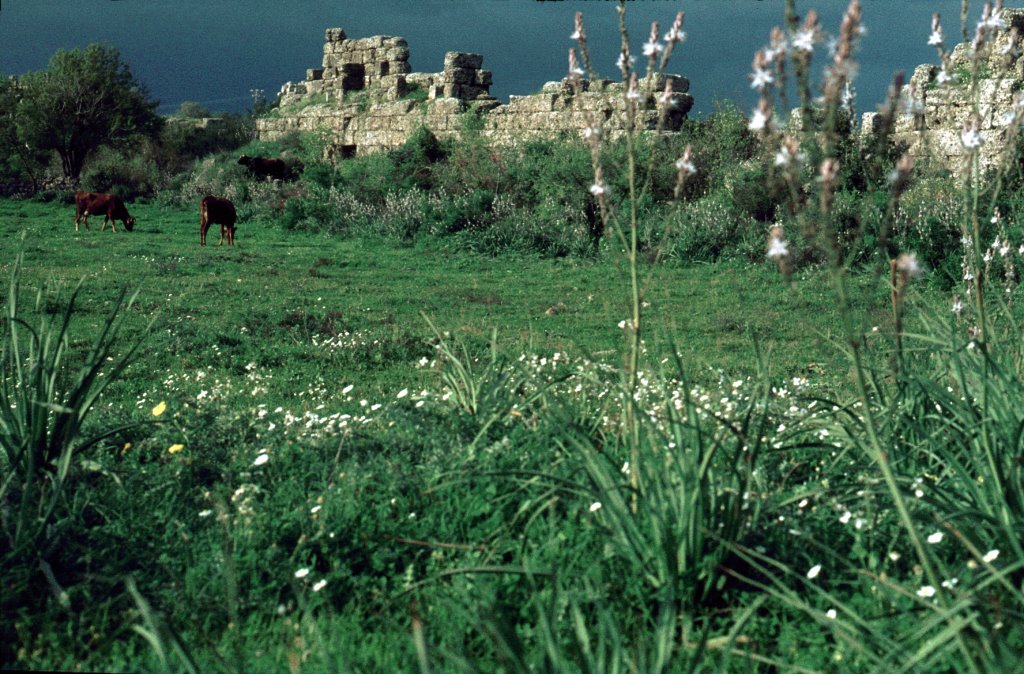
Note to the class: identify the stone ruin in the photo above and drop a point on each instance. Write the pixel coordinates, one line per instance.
(366, 98)
(934, 115)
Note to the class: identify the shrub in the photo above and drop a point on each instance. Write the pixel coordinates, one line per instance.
(709, 229)
(412, 163)
(720, 142)
(928, 222)
(754, 191)
(129, 175)
(462, 211)
(221, 176)
(183, 141)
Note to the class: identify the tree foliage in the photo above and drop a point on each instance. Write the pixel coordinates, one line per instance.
(85, 99)
(20, 164)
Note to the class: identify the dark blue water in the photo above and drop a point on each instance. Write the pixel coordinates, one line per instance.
(216, 51)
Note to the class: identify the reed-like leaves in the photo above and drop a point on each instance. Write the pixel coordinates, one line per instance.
(46, 393)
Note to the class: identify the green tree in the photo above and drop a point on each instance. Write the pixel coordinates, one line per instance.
(20, 164)
(85, 99)
(192, 110)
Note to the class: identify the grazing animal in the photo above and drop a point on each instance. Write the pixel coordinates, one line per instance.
(264, 167)
(110, 205)
(213, 210)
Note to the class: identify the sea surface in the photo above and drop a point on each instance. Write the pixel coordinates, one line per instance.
(216, 52)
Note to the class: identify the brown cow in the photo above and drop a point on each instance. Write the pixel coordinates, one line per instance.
(217, 211)
(110, 205)
(264, 167)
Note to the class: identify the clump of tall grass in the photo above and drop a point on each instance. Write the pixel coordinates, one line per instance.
(47, 395)
(931, 436)
(937, 427)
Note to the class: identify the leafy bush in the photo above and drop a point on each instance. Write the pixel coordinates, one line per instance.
(129, 175)
(755, 192)
(412, 163)
(466, 211)
(184, 142)
(708, 229)
(928, 222)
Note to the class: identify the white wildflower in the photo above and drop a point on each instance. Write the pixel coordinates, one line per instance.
(761, 78)
(777, 248)
(685, 166)
(804, 40)
(652, 48)
(908, 264)
(758, 121)
(971, 138)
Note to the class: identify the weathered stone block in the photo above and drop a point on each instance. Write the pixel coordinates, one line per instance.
(997, 91)
(334, 35)
(537, 103)
(455, 59)
(395, 108)
(472, 93)
(445, 106)
(657, 81)
(486, 105)
(459, 76)
(313, 74)
(397, 54)
(909, 123)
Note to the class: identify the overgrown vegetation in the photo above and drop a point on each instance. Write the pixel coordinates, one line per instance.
(350, 483)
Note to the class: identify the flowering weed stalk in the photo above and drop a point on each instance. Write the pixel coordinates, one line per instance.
(637, 95)
(923, 417)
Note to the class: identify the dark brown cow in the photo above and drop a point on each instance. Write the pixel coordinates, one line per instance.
(217, 211)
(264, 167)
(110, 205)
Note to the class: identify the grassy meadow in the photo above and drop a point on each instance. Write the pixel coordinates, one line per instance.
(455, 408)
(428, 417)
(357, 310)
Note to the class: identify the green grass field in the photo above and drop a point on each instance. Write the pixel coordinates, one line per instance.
(267, 300)
(301, 475)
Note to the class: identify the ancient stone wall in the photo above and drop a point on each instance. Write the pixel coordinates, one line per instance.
(366, 100)
(935, 114)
